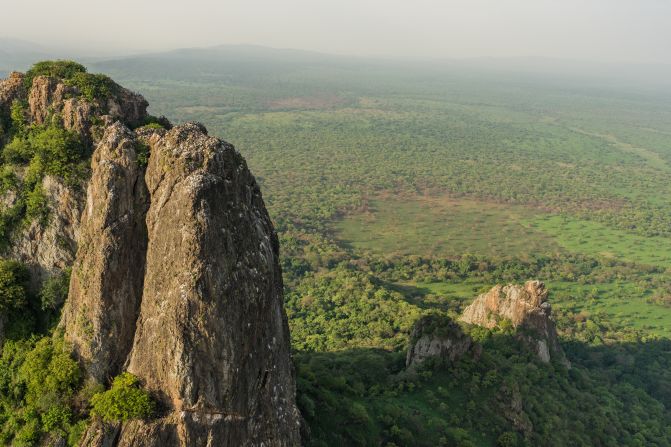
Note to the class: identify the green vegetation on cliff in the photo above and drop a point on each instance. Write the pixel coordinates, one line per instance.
(125, 400)
(39, 385)
(44, 397)
(93, 87)
(35, 150)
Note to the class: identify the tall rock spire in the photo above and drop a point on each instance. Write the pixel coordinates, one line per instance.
(211, 339)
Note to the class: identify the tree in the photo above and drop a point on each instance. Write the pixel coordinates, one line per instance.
(13, 283)
(124, 401)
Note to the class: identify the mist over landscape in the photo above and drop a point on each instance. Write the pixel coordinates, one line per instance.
(323, 224)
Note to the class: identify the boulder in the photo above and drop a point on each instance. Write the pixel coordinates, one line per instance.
(439, 338)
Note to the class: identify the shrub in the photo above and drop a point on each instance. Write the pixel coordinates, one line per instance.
(124, 401)
(142, 151)
(507, 439)
(153, 126)
(8, 221)
(37, 204)
(18, 116)
(13, 282)
(51, 298)
(18, 150)
(155, 122)
(38, 381)
(28, 434)
(8, 179)
(63, 69)
(49, 369)
(92, 86)
(61, 150)
(55, 291)
(56, 418)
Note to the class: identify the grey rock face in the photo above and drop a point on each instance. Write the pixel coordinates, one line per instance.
(212, 335)
(106, 281)
(176, 277)
(439, 338)
(10, 89)
(49, 248)
(211, 339)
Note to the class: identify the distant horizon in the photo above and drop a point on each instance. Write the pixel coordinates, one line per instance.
(609, 31)
(61, 52)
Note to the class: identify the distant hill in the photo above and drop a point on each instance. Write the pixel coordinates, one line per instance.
(19, 54)
(245, 64)
(234, 61)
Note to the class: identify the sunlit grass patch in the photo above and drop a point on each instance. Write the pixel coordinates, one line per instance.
(595, 239)
(445, 227)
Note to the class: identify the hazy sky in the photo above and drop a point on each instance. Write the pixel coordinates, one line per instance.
(603, 30)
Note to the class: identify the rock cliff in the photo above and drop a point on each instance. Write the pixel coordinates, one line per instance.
(49, 248)
(107, 276)
(11, 89)
(527, 308)
(212, 337)
(175, 273)
(439, 338)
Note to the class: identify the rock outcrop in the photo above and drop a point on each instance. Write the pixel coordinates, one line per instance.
(524, 307)
(439, 338)
(48, 248)
(175, 273)
(180, 283)
(212, 338)
(51, 97)
(11, 89)
(107, 276)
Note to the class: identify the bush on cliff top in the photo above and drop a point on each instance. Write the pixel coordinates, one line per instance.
(58, 69)
(91, 86)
